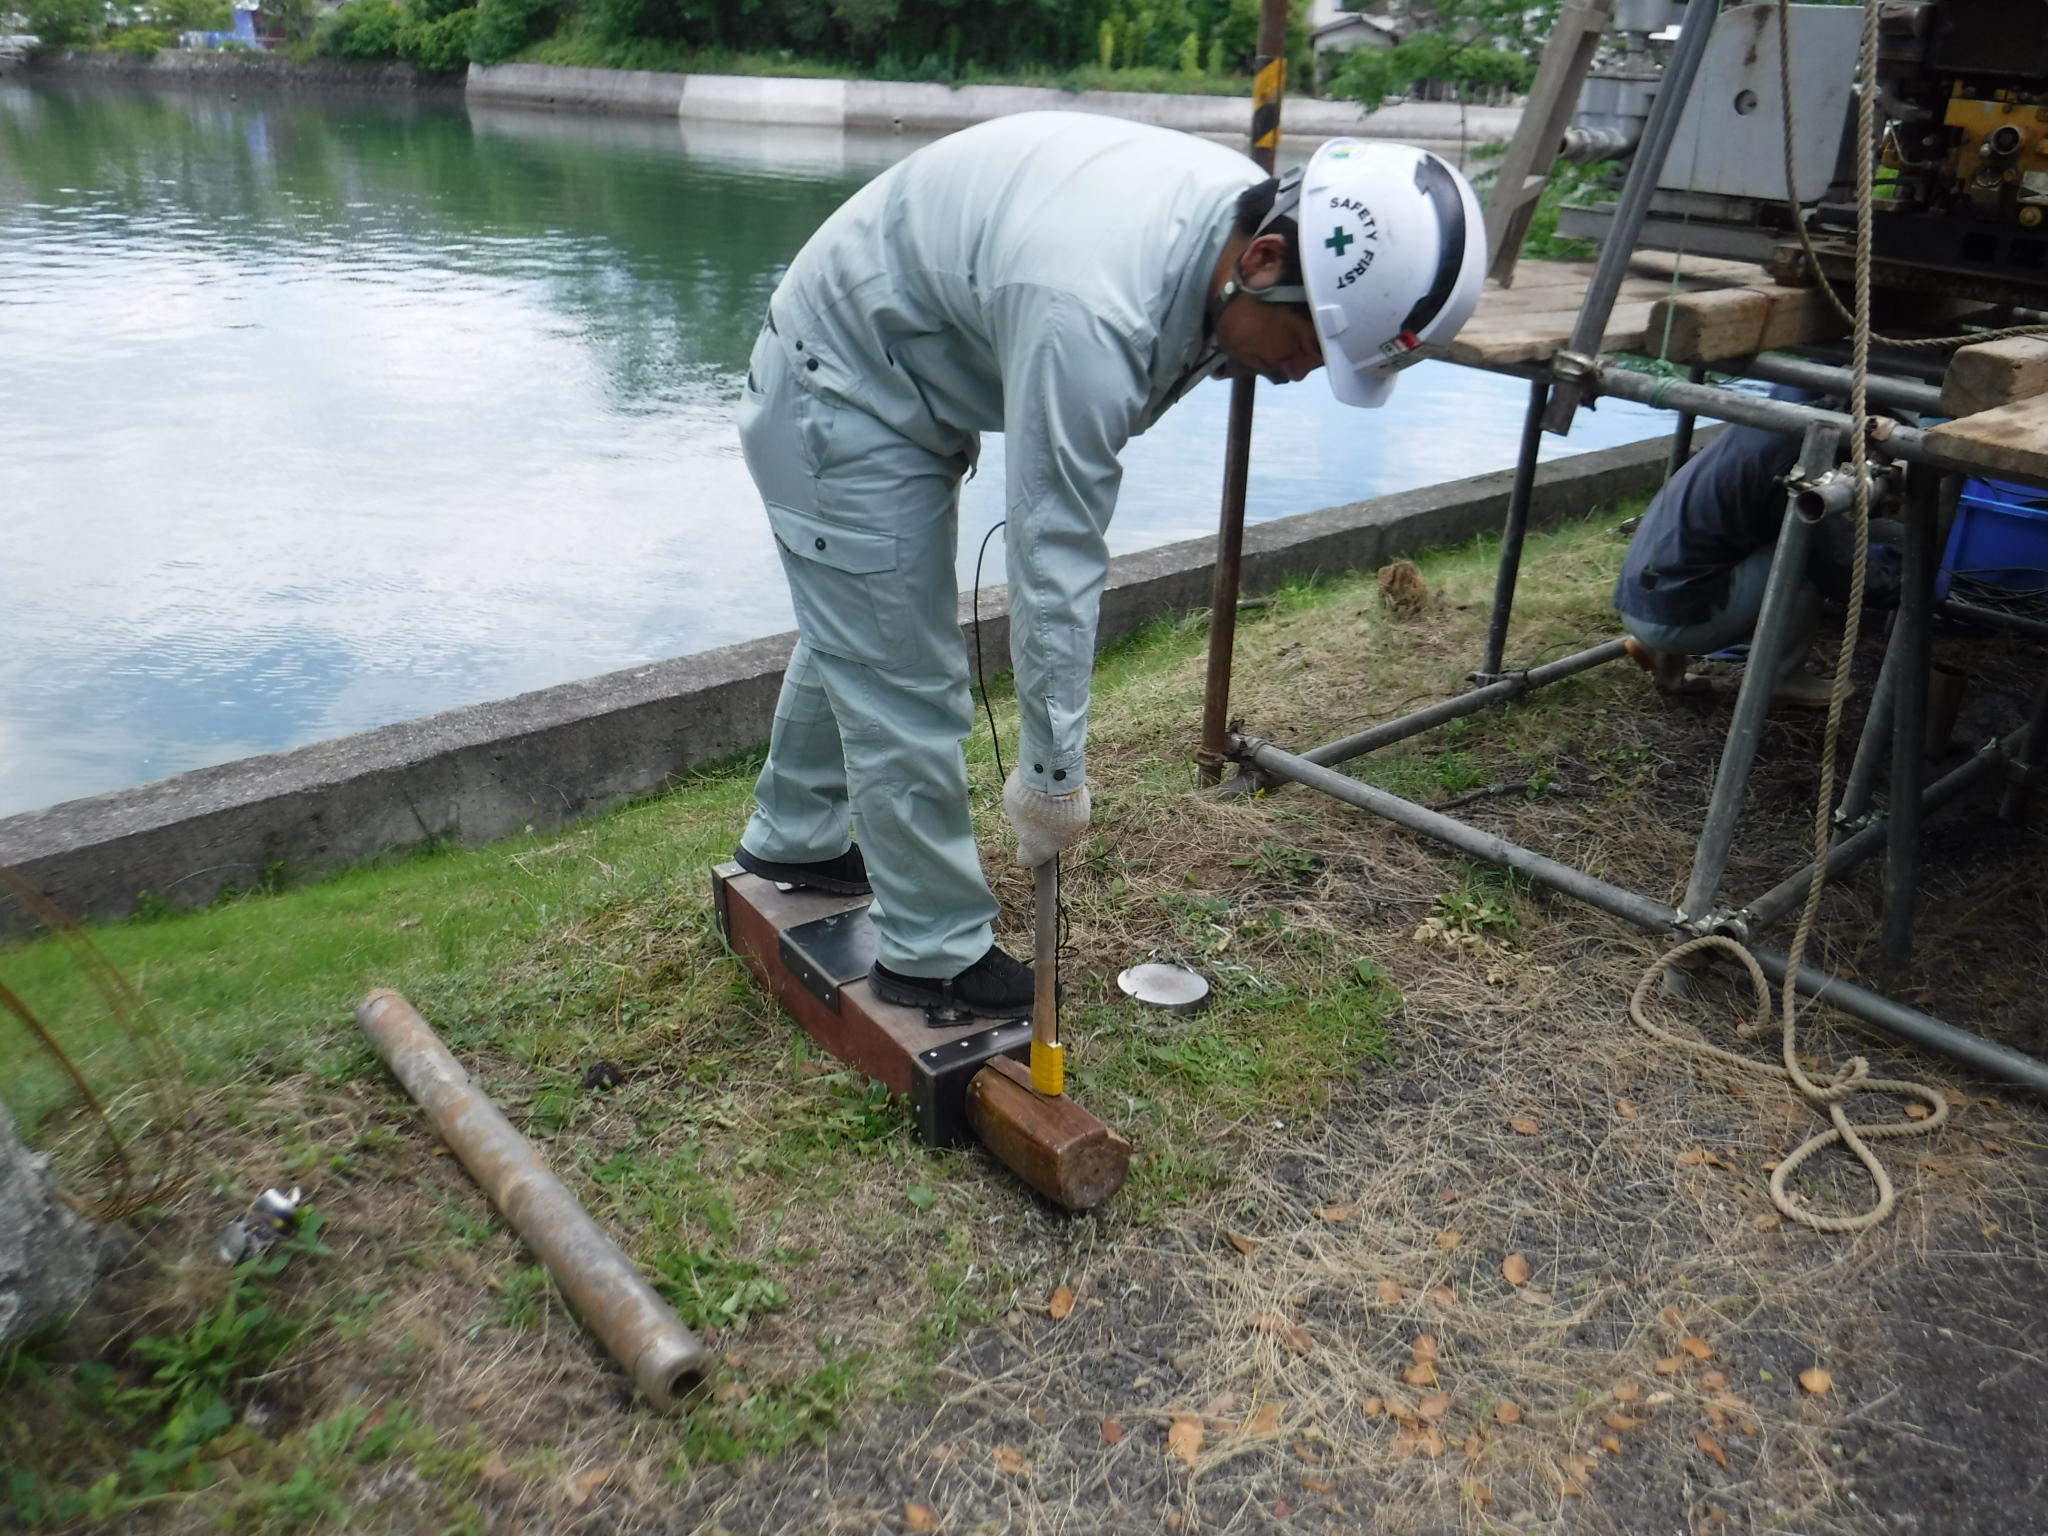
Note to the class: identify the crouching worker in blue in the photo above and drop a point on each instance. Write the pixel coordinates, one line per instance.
(1061, 279)
(1693, 581)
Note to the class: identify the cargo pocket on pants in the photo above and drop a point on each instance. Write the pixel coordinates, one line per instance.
(845, 587)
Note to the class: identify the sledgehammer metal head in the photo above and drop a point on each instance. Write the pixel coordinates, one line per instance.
(1025, 1117)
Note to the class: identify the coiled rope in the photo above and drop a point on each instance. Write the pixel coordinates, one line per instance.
(1824, 1091)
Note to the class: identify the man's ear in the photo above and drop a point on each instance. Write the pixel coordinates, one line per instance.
(1262, 261)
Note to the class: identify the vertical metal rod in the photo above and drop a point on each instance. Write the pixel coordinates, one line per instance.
(1520, 494)
(2019, 784)
(1269, 86)
(1870, 747)
(1913, 634)
(1759, 680)
(1634, 207)
(1048, 1056)
(1681, 439)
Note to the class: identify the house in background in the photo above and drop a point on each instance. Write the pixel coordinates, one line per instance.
(1335, 28)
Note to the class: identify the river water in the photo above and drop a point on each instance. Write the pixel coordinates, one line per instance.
(322, 413)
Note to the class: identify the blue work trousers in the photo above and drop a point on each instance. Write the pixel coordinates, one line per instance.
(875, 704)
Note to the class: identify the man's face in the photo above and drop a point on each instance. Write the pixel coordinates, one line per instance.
(1276, 340)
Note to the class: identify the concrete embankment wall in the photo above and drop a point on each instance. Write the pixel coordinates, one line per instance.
(551, 757)
(238, 71)
(938, 108)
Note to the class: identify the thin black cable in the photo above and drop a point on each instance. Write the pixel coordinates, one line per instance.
(981, 676)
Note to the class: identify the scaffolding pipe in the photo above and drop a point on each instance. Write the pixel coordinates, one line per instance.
(1269, 87)
(1520, 495)
(1576, 366)
(1512, 686)
(1870, 746)
(1759, 682)
(1913, 637)
(1824, 379)
(1992, 618)
(643, 1334)
(1881, 1013)
(1681, 437)
(1790, 893)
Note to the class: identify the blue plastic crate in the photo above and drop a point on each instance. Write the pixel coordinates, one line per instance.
(1998, 550)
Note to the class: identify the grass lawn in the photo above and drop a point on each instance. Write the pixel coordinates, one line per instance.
(1325, 1173)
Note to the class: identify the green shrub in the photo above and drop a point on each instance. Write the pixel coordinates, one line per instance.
(64, 23)
(438, 46)
(138, 42)
(503, 27)
(361, 29)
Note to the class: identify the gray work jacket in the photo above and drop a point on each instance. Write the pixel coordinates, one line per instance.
(1045, 276)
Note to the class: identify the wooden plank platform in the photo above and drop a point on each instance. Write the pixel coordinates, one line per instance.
(2011, 441)
(1532, 321)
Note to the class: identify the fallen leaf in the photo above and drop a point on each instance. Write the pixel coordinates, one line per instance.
(1297, 1339)
(1372, 1407)
(1657, 1399)
(1407, 1442)
(1242, 1243)
(1039, 1416)
(1671, 1317)
(1994, 1148)
(1444, 1296)
(1435, 1406)
(1626, 1392)
(1697, 1347)
(1716, 1417)
(1448, 1197)
(944, 1451)
(1112, 1431)
(1432, 1443)
(1265, 1424)
(728, 1391)
(1612, 1445)
(1061, 1304)
(1266, 1322)
(1014, 1462)
(1626, 1110)
(1713, 1381)
(494, 1470)
(1515, 1269)
(1934, 1164)
(920, 1517)
(1578, 1465)
(1570, 1489)
(1712, 1447)
(1770, 1221)
(1449, 1240)
(1389, 1292)
(479, 1401)
(1522, 1125)
(1816, 1381)
(1669, 1367)
(1475, 1446)
(1334, 1212)
(1173, 1521)
(1508, 1413)
(1621, 1421)
(1304, 1454)
(1480, 1495)
(1916, 1111)
(1529, 1296)
(1956, 1100)
(1694, 1158)
(1424, 1348)
(1420, 1375)
(588, 1483)
(1317, 1485)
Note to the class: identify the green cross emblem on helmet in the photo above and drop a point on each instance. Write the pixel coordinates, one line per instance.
(1340, 240)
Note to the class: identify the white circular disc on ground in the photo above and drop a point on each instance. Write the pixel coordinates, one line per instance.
(1165, 986)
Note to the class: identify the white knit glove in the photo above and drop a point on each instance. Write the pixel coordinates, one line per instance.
(1046, 825)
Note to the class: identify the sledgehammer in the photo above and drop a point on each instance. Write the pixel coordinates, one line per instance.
(1025, 1118)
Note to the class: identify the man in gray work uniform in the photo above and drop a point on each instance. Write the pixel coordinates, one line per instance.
(1061, 279)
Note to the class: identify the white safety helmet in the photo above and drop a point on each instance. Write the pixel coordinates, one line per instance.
(1393, 257)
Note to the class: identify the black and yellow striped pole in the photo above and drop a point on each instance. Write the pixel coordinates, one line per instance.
(1269, 84)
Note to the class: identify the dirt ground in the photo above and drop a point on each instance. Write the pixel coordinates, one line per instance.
(1499, 1263)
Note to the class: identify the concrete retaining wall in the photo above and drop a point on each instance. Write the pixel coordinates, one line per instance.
(547, 758)
(939, 108)
(244, 71)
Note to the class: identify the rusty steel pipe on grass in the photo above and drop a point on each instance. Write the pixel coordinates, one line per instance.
(661, 1355)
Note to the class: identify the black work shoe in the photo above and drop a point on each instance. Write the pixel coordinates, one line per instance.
(846, 875)
(994, 987)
